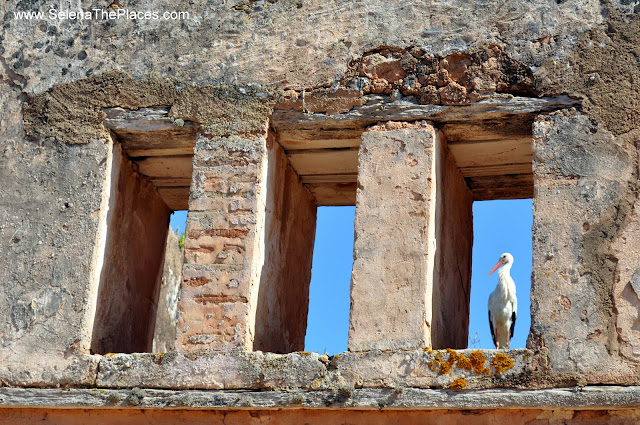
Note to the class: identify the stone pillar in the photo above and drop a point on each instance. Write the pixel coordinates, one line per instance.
(51, 219)
(585, 292)
(394, 247)
(248, 249)
(223, 246)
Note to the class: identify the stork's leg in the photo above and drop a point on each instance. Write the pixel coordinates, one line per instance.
(497, 344)
(508, 342)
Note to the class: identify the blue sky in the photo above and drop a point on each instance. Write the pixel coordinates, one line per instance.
(499, 226)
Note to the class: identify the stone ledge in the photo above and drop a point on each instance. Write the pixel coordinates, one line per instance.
(258, 370)
(237, 370)
(591, 398)
(211, 370)
(49, 370)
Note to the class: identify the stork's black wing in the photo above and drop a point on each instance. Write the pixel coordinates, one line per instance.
(493, 335)
(513, 323)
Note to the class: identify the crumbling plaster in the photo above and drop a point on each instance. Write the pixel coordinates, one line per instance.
(585, 49)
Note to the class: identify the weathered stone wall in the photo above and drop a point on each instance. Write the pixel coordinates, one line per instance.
(584, 262)
(290, 43)
(224, 68)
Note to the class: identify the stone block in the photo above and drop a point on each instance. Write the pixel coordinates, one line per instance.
(435, 369)
(211, 370)
(49, 370)
(50, 211)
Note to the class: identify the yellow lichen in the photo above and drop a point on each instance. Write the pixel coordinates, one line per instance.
(445, 367)
(501, 362)
(453, 355)
(477, 360)
(458, 384)
(441, 366)
(463, 362)
(428, 350)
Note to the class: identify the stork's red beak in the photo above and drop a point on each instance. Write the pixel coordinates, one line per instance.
(495, 267)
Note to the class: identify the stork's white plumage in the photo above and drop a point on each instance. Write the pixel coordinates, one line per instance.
(503, 304)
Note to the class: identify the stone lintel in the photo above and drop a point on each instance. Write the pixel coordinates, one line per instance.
(380, 107)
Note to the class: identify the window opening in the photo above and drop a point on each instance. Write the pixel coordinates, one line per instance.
(500, 226)
(178, 223)
(328, 319)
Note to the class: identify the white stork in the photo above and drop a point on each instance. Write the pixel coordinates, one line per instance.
(503, 304)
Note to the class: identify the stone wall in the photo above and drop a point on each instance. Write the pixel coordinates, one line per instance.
(333, 69)
(584, 263)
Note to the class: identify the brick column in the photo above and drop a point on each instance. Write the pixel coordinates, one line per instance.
(248, 249)
(222, 248)
(392, 280)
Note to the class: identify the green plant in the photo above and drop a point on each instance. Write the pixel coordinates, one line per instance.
(181, 240)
